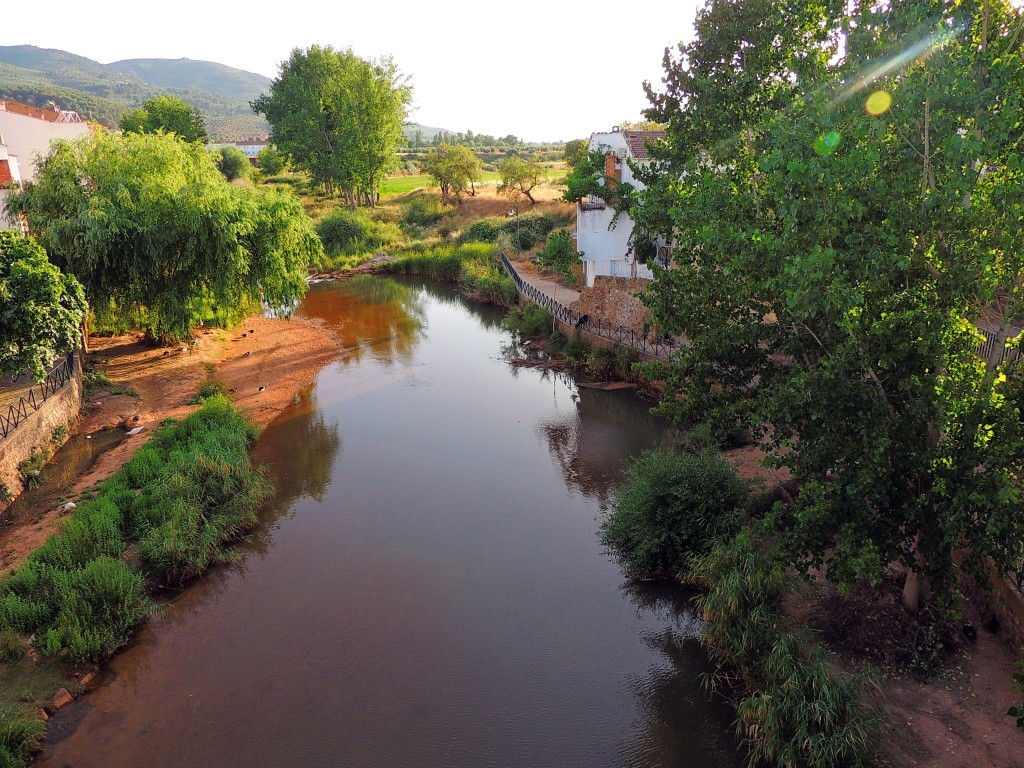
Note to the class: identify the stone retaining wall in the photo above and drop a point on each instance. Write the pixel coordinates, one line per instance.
(60, 410)
(613, 300)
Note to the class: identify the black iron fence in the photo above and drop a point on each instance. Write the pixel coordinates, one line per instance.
(32, 400)
(660, 347)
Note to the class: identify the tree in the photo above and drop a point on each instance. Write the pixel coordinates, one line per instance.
(575, 152)
(339, 118)
(168, 114)
(455, 168)
(41, 309)
(835, 249)
(232, 162)
(519, 176)
(270, 161)
(148, 225)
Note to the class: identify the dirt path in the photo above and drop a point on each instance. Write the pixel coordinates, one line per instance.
(266, 362)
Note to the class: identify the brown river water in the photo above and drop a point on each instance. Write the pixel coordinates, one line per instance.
(427, 587)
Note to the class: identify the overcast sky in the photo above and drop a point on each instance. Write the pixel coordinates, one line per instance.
(544, 71)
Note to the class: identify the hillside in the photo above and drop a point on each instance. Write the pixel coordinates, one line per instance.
(104, 92)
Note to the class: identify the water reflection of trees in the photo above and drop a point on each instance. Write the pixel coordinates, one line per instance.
(591, 442)
(370, 315)
(680, 724)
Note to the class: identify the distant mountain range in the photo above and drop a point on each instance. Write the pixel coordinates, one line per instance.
(104, 92)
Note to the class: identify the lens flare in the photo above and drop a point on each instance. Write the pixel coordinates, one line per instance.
(878, 103)
(827, 143)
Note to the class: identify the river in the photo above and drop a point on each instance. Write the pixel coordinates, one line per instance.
(426, 588)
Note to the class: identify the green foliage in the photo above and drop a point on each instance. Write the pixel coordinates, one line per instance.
(473, 266)
(351, 231)
(168, 114)
(528, 321)
(11, 647)
(232, 162)
(424, 210)
(93, 380)
(671, 508)
(180, 498)
(270, 161)
(30, 468)
(560, 256)
(519, 177)
(41, 309)
(150, 226)
(575, 152)
(831, 264)
(482, 231)
(1017, 710)
(212, 387)
(454, 168)
(794, 710)
(338, 117)
(20, 734)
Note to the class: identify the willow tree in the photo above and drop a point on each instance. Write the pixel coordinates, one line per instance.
(837, 248)
(339, 118)
(150, 228)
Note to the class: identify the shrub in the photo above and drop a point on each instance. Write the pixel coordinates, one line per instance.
(528, 322)
(671, 508)
(482, 231)
(11, 647)
(559, 256)
(424, 210)
(349, 232)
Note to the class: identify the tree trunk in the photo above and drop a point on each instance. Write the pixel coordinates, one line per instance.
(912, 592)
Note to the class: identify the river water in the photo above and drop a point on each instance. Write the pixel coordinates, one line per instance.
(426, 588)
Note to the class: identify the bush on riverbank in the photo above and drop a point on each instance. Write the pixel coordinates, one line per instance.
(671, 508)
(473, 266)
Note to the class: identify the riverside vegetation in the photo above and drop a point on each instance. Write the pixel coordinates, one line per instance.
(163, 518)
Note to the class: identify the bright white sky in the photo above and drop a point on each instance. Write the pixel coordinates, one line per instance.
(544, 71)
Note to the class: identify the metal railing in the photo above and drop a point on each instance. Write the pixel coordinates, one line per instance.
(658, 347)
(992, 340)
(33, 399)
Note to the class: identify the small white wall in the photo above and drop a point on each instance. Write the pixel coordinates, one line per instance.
(29, 138)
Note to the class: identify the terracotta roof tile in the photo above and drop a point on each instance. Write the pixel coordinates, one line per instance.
(5, 172)
(637, 142)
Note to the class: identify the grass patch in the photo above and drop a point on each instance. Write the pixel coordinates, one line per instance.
(183, 496)
(95, 380)
(210, 388)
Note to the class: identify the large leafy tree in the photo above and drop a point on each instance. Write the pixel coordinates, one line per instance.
(339, 118)
(148, 225)
(168, 114)
(455, 169)
(41, 309)
(836, 249)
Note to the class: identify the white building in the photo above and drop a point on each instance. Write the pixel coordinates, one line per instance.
(10, 181)
(606, 249)
(27, 132)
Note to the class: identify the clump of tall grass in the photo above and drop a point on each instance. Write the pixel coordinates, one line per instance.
(473, 266)
(795, 711)
(352, 235)
(186, 493)
(20, 734)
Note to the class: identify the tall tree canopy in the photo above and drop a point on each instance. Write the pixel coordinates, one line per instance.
(148, 225)
(339, 118)
(845, 213)
(455, 169)
(168, 114)
(41, 309)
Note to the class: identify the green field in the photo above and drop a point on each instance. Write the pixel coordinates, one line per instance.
(401, 185)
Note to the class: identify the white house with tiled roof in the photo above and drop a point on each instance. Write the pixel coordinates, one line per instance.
(605, 248)
(28, 131)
